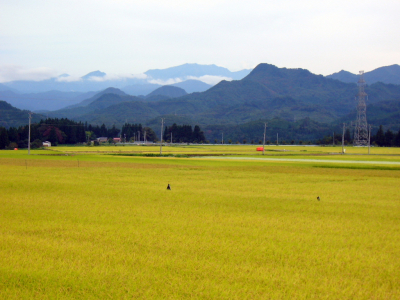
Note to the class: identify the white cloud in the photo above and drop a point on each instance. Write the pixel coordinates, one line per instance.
(210, 79)
(165, 82)
(103, 78)
(117, 77)
(68, 79)
(15, 72)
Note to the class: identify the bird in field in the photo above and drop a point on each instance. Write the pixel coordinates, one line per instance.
(168, 187)
(318, 198)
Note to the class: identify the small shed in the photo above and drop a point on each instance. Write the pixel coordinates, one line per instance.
(102, 139)
(46, 144)
(117, 140)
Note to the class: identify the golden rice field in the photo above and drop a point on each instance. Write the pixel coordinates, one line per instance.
(80, 224)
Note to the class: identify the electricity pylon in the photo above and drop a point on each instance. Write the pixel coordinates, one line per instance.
(361, 126)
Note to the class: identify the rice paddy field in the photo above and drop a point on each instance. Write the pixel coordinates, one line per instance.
(99, 223)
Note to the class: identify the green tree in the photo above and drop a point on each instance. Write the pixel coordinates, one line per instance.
(397, 139)
(380, 137)
(4, 141)
(389, 138)
(53, 136)
(150, 134)
(347, 136)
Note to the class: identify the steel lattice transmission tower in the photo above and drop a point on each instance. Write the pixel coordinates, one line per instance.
(361, 126)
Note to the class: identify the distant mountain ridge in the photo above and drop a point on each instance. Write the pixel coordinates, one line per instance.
(389, 75)
(97, 80)
(291, 100)
(45, 101)
(195, 70)
(168, 91)
(267, 92)
(14, 117)
(192, 86)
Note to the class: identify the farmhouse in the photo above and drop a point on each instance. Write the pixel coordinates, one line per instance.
(102, 139)
(117, 140)
(46, 144)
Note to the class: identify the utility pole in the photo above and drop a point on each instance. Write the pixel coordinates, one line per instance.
(344, 125)
(139, 136)
(265, 129)
(29, 134)
(144, 138)
(369, 139)
(333, 139)
(162, 127)
(222, 142)
(277, 140)
(171, 137)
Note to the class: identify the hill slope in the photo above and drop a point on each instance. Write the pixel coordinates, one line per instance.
(192, 86)
(388, 75)
(168, 91)
(267, 92)
(14, 117)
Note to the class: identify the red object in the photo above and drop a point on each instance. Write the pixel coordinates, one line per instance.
(15, 148)
(260, 148)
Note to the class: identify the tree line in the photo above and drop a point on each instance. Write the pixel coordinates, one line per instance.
(65, 131)
(136, 132)
(382, 138)
(386, 139)
(183, 134)
(61, 131)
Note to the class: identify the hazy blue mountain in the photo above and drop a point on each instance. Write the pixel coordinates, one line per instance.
(97, 81)
(14, 117)
(83, 96)
(94, 74)
(99, 101)
(268, 92)
(107, 100)
(140, 89)
(51, 100)
(120, 113)
(192, 86)
(388, 74)
(5, 88)
(62, 83)
(96, 96)
(168, 91)
(344, 76)
(196, 70)
(155, 98)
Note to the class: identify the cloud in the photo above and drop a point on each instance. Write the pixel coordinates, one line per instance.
(16, 72)
(210, 79)
(68, 78)
(165, 82)
(107, 77)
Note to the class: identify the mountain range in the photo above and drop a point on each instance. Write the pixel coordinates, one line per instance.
(64, 90)
(294, 100)
(388, 74)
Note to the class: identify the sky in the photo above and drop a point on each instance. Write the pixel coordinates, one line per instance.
(45, 38)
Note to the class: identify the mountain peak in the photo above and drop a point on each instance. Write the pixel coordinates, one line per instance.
(94, 74)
